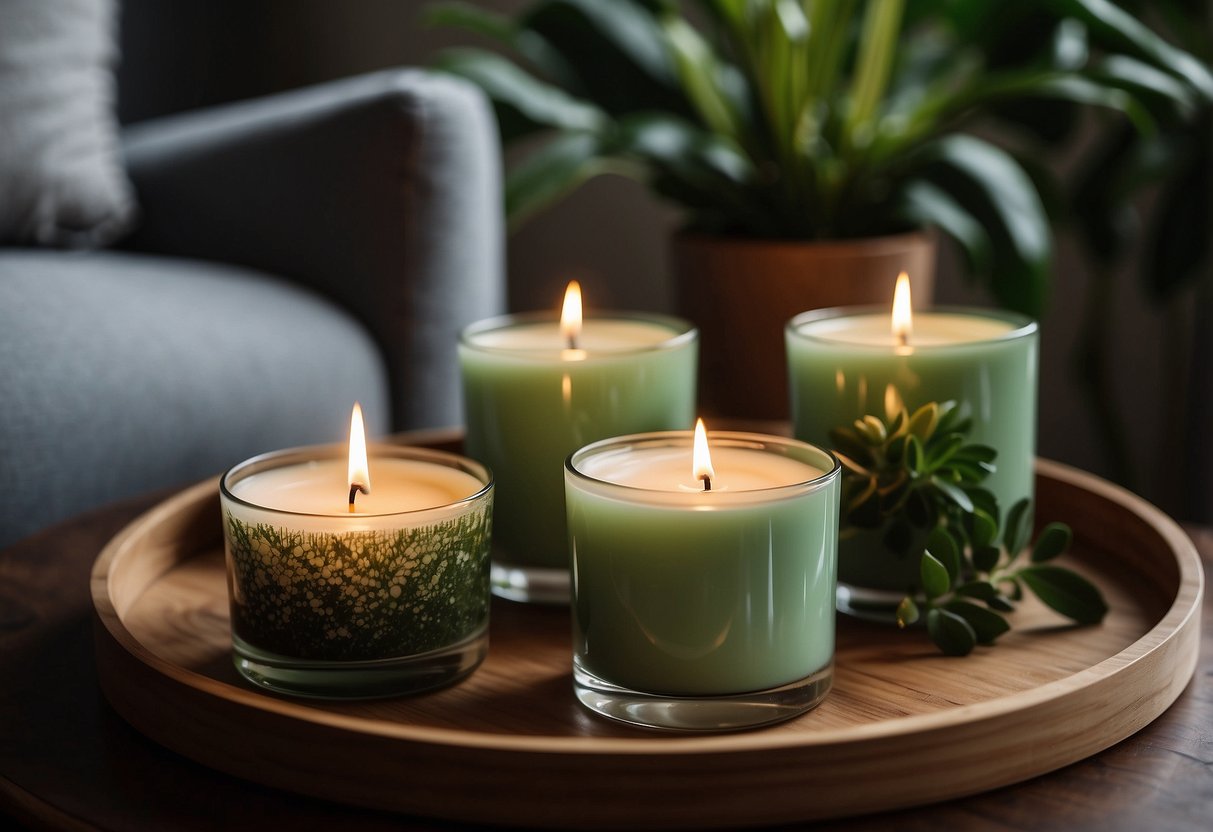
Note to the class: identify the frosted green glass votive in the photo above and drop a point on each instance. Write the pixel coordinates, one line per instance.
(845, 363)
(530, 401)
(372, 603)
(700, 610)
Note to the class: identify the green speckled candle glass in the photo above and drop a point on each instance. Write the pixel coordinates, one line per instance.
(845, 363)
(530, 401)
(388, 599)
(702, 610)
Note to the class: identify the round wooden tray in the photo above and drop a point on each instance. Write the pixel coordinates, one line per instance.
(903, 725)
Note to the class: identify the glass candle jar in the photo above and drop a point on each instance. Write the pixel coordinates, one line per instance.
(846, 363)
(530, 401)
(697, 609)
(387, 596)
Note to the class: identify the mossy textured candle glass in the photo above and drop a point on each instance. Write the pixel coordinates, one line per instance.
(846, 363)
(359, 604)
(700, 610)
(530, 401)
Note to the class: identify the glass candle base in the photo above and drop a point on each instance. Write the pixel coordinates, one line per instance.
(730, 712)
(870, 604)
(530, 584)
(374, 679)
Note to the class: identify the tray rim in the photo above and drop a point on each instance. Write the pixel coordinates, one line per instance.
(1183, 612)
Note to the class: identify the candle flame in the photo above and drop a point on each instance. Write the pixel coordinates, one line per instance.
(903, 316)
(570, 314)
(702, 458)
(359, 472)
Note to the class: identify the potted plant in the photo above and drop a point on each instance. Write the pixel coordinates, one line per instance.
(810, 144)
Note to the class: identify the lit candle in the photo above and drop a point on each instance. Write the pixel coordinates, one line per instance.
(537, 388)
(341, 590)
(847, 363)
(698, 607)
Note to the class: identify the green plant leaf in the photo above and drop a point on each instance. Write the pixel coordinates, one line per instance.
(922, 424)
(1018, 528)
(927, 204)
(855, 467)
(549, 173)
(934, 576)
(987, 592)
(942, 547)
(1053, 540)
(845, 441)
(1065, 86)
(915, 459)
(986, 625)
(907, 612)
(1066, 592)
(985, 502)
(899, 424)
(994, 188)
(874, 430)
(701, 73)
(951, 633)
(530, 47)
(941, 451)
(524, 104)
(954, 493)
(731, 13)
(1115, 26)
(617, 50)
(985, 558)
(691, 161)
(874, 63)
(471, 17)
(950, 416)
(983, 532)
(978, 453)
(1161, 90)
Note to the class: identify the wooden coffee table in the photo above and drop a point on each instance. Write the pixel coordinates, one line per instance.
(68, 761)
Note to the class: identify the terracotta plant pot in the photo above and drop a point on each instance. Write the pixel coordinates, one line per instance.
(742, 292)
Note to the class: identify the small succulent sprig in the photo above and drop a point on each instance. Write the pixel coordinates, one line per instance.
(911, 473)
(917, 476)
(964, 567)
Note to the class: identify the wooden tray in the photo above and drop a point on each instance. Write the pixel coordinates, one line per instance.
(903, 725)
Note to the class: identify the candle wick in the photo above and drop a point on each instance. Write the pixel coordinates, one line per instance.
(354, 489)
(707, 482)
(572, 341)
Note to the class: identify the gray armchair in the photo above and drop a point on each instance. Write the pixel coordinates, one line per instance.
(293, 254)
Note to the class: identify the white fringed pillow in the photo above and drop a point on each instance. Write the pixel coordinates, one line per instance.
(61, 177)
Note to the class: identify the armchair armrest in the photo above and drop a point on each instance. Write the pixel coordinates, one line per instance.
(381, 191)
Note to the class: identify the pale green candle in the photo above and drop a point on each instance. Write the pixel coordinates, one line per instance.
(845, 363)
(681, 592)
(530, 401)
